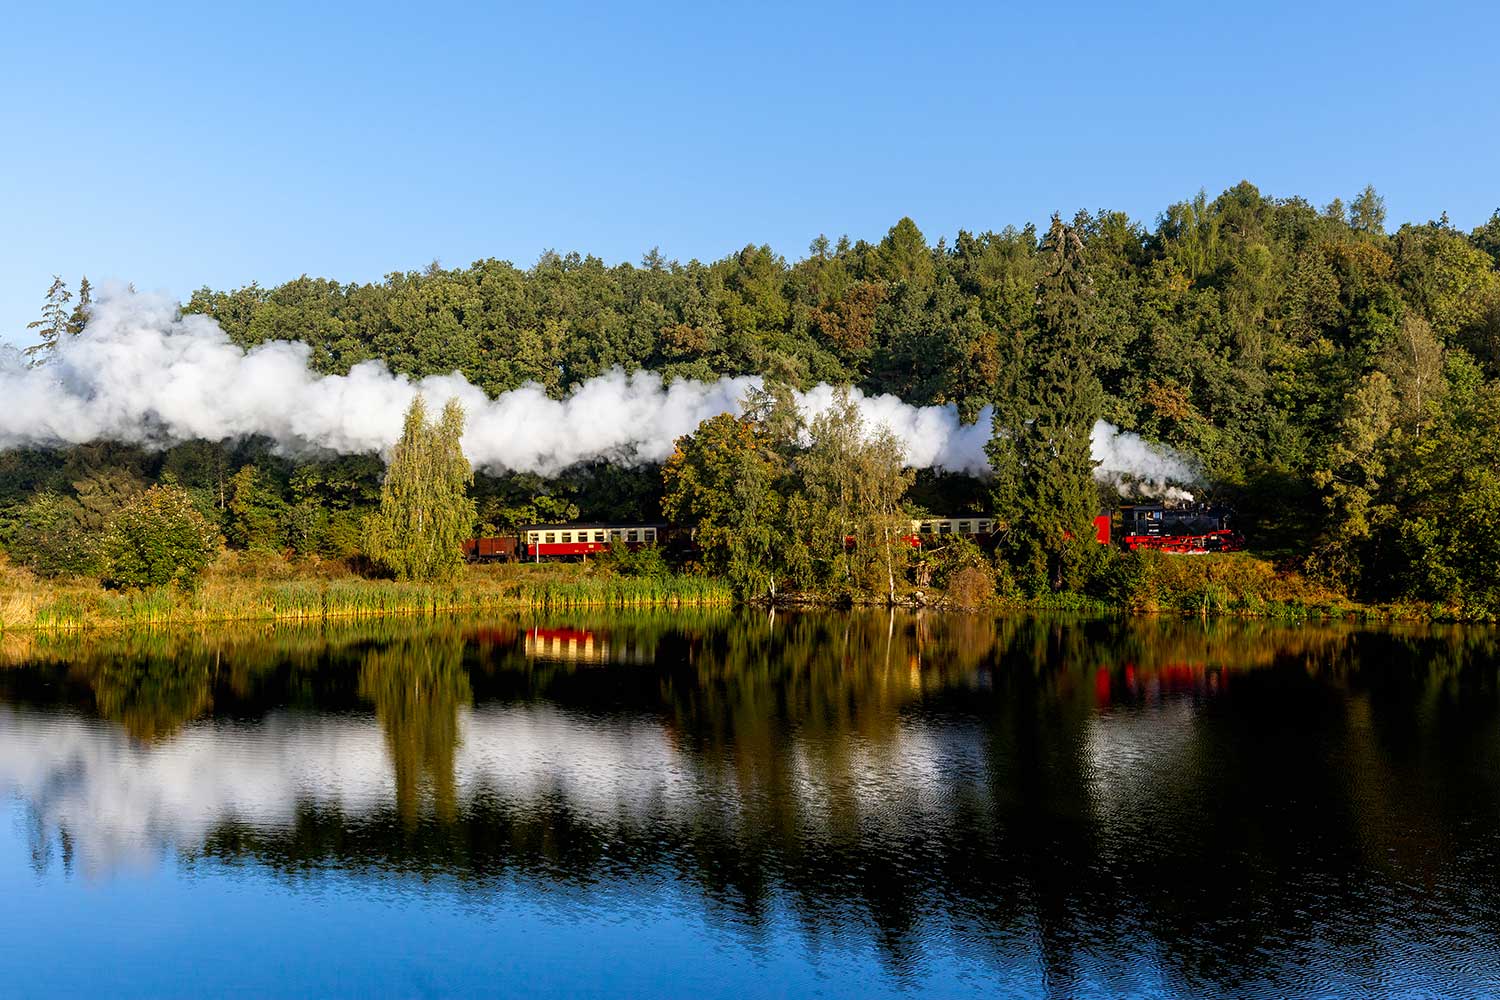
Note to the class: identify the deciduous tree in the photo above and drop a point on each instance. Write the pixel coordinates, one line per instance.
(426, 512)
(158, 537)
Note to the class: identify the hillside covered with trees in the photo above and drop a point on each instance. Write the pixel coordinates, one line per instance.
(1338, 382)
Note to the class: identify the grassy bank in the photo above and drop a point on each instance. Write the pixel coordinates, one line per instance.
(268, 590)
(1235, 585)
(248, 588)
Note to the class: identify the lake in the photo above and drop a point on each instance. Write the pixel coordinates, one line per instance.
(735, 804)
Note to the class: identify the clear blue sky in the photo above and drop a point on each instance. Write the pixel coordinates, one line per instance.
(202, 145)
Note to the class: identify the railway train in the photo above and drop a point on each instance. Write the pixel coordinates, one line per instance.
(566, 541)
(1173, 528)
(1181, 529)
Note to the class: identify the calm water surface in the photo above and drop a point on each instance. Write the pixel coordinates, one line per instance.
(732, 805)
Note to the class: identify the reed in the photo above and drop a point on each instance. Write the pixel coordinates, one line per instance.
(29, 603)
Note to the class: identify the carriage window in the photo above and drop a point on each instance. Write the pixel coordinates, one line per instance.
(945, 527)
(549, 538)
(598, 536)
(965, 528)
(926, 527)
(616, 533)
(649, 534)
(567, 536)
(630, 535)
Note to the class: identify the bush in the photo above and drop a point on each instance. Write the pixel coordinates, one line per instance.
(49, 540)
(956, 554)
(646, 562)
(158, 538)
(971, 587)
(1236, 583)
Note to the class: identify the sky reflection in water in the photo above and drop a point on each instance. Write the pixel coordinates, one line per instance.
(726, 805)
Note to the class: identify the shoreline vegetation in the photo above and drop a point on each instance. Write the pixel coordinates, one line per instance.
(267, 588)
(270, 589)
(1327, 381)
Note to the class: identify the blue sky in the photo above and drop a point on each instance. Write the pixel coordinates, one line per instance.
(177, 146)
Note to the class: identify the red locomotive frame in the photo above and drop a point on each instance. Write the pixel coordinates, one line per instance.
(1182, 529)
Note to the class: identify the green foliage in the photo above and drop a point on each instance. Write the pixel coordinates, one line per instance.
(966, 575)
(1045, 491)
(1249, 331)
(54, 323)
(956, 553)
(79, 317)
(257, 513)
(426, 512)
(646, 562)
(326, 504)
(770, 513)
(1447, 492)
(157, 538)
(49, 538)
(720, 481)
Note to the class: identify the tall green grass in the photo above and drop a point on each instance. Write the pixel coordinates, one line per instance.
(38, 604)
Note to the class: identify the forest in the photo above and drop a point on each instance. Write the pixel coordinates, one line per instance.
(1338, 383)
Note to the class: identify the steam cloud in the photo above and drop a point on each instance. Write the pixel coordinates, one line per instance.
(1136, 468)
(144, 374)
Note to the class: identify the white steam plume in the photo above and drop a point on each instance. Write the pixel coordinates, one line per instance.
(142, 373)
(1137, 468)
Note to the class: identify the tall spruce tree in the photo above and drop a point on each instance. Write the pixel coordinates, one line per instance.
(426, 512)
(1041, 450)
(54, 321)
(80, 315)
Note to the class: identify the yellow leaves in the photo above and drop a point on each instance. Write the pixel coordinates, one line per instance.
(1360, 261)
(682, 338)
(1168, 400)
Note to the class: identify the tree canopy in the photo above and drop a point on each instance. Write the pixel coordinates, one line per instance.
(1314, 362)
(425, 511)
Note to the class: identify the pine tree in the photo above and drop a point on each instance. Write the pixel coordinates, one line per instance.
(1042, 455)
(426, 512)
(80, 316)
(54, 321)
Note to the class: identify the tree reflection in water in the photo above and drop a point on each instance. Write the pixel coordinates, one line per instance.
(417, 686)
(1215, 800)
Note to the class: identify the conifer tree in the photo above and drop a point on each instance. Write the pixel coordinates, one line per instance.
(80, 315)
(54, 321)
(1044, 465)
(426, 512)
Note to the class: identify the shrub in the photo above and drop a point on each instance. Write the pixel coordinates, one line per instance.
(50, 541)
(646, 562)
(956, 554)
(971, 587)
(158, 538)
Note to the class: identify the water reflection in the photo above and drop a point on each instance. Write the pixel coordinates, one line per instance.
(1085, 808)
(417, 685)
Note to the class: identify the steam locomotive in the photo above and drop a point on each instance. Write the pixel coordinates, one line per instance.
(1184, 529)
(1176, 528)
(1181, 529)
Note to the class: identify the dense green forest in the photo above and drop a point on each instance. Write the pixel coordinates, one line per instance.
(1338, 382)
